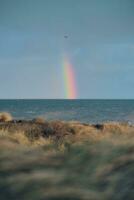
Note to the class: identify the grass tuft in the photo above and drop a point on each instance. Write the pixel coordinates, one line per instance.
(39, 120)
(5, 117)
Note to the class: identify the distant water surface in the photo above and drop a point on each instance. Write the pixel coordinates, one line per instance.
(89, 111)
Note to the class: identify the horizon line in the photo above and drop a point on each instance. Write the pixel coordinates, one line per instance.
(66, 99)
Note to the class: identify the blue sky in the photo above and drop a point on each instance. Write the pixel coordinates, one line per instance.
(100, 46)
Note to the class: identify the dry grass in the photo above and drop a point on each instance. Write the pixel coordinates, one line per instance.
(5, 117)
(66, 160)
(60, 131)
(99, 171)
(40, 120)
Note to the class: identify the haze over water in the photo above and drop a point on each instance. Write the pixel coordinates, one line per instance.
(89, 111)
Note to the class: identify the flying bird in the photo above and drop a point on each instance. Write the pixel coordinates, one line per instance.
(65, 36)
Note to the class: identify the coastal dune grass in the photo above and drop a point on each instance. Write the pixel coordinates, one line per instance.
(57, 160)
(101, 170)
(5, 117)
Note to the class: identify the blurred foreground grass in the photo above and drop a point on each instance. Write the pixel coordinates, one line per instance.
(66, 161)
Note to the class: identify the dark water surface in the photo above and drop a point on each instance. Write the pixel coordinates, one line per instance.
(91, 111)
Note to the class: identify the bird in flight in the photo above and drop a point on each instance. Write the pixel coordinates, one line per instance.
(65, 36)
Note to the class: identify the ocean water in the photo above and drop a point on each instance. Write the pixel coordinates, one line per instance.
(88, 111)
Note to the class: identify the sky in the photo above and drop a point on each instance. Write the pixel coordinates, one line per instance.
(100, 48)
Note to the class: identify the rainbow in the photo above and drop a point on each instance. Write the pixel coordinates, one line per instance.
(69, 79)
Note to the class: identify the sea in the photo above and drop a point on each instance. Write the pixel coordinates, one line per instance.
(86, 111)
